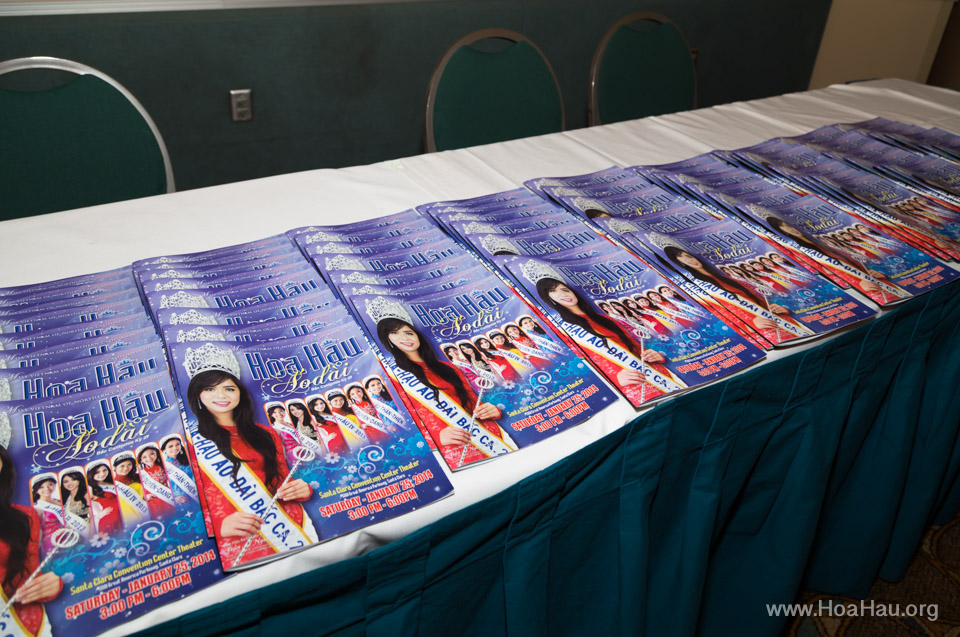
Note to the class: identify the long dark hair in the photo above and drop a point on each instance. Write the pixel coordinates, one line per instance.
(536, 329)
(713, 275)
(35, 489)
(14, 523)
(181, 457)
(547, 285)
(81, 489)
(347, 407)
(312, 406)
(449, 374)
(257, 437)
(383, 395)
(811, 242)
(95, 487)
(303, 420)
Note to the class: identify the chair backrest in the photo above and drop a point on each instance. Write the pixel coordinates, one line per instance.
(479, 96)
(82, 143)
(643, 66)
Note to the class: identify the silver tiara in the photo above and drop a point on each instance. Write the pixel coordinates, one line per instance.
(6, 431)
(540, 183)
(762, 212)
(5, 392)
(382, 307)
(209, 357)
(619, 226)
(585, 203)
(192, 317)
(317, 237)
(536, 270)
(475, 227)
(175, 284)
(494, 243)
(341, 262)
(182, 299)
(333, 247)
(199, 334)
(465, 216)
(684, 179)
(168, 274)
(727, 199)
(662, 241)
(366, 289)
(566, 192)
(359, 277)
(159, 260)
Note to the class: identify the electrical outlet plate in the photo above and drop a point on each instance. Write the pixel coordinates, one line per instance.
(241, 104)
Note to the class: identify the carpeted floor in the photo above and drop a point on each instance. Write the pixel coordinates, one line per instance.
(932, 578)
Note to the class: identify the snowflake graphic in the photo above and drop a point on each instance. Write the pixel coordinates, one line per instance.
(352, 468)
(314, 485)
(420, 444)
(35, 468)
(332, 458)
(67, 577)
(109, 566)
(100, 539)
(509, 384)
(120, 552)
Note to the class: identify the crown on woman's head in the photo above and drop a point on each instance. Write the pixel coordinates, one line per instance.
(169, 274)
(209, 357)
(477, 227)
(158, 260)
(727, 199)
(359, 277)
(585, 203)
(494, 243)
(191, 317)
(762, 211)
(182, 299)
(383, 307)
(536, 270)
(342, 262)
(5, 392)
(620, 226)
(662, 241)
(540, 183)
(335, 392)
(175, 284)
(566, 192)
(317, 237)
(464, 216)
(366, 289)
(199, 333)
(333, 247)
(6, 431)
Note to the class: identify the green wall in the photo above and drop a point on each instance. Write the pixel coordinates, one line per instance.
(345, 85)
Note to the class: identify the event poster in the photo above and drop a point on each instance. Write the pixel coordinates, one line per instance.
(110, 501)
(482, 385)
(649, 339)
(310, 421)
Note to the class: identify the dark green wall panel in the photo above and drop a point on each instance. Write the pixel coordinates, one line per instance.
(344, 85)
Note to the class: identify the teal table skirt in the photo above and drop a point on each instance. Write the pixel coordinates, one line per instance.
(819, 470)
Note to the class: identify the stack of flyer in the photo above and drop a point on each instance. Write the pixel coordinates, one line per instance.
(296, 434)
(482, 372)
(646, 337)
(101, 516)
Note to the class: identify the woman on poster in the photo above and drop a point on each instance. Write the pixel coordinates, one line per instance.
(455, 356)
(225, 416)
(353, 434)
(509, 351)
(49, 509)
(156, 486)
(302, 423)
(479, 362)
(277, 415)
(384, 403)
(19, 557)
(642, 307)
(539, 335)
(412, 353)
(105, 505)
(179, 470)
(133, 506)
(327, 430)
(76, 502)
(527, 347)
(368, 416)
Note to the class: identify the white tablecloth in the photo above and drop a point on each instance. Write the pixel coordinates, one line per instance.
(103, 237)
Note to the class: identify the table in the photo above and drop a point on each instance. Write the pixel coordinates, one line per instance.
(820, 468)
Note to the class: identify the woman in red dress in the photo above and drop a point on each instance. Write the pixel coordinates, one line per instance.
(20, 556)
(106, 507)
(156, 486)
(377, 431)
(225, 417)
